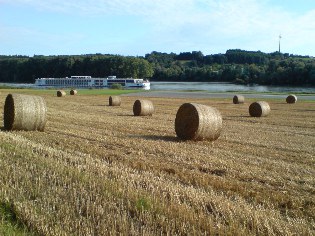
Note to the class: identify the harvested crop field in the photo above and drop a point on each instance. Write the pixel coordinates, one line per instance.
(100, 170)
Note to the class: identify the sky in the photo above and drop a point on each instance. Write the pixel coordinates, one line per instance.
(138, 27)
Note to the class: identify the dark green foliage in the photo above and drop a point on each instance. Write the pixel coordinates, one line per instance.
(238, 56)
(243, 67)
(246, 67)
(27, 69)
(9, 221)
(116, 86)
(7, 212)
(142, 204)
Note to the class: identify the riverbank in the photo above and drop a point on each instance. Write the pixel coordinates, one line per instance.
(199, 94)
(166, 93)
(207, 87)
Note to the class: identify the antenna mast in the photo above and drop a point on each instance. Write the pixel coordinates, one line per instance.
(279, 41)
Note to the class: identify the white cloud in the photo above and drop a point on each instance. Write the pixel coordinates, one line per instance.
(200, 24)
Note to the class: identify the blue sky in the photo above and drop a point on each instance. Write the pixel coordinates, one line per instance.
(137, 27)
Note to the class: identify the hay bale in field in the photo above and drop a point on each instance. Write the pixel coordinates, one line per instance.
(237, 99)
(197, 122)
(291, 98)
(61, 93)
(143, 108)
(24, 112)
(258, 109)
(73, 92)
(114, 101)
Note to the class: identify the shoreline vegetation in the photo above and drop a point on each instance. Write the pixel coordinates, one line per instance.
(99, 170)
(237, 66)
(52, 91)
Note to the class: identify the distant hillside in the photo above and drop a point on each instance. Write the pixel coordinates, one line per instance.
(235, 65)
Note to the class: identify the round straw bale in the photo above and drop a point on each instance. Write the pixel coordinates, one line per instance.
(61, 93)
(24, 112)
(237, 99)
(114, 100)
(143, 108)
(197, 122)
(291, 98)
(73, 92)
(258, 109)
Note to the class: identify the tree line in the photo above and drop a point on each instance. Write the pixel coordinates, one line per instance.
(26, 69)
(238, 66)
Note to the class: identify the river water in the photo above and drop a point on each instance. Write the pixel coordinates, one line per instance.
(226, 87)
(208, 86)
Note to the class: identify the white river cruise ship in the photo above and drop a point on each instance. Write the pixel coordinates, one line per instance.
(89, 82)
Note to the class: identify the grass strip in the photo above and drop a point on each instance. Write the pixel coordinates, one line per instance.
(10, 224)
(80, 91)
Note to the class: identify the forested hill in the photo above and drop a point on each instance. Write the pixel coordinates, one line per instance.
(237, 66)
(26, 69)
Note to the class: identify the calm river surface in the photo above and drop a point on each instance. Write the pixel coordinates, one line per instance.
(225, 87)
(208, 87)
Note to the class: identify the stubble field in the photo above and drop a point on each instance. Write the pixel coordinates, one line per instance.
(99, 170)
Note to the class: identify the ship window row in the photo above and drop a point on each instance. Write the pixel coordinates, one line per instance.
(121, 81)
(53, 82)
